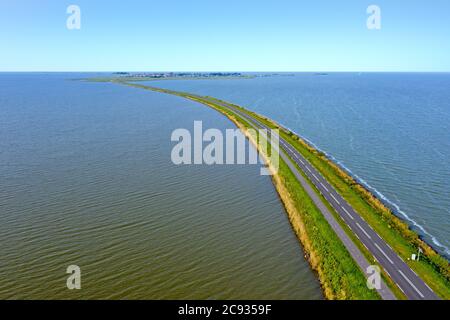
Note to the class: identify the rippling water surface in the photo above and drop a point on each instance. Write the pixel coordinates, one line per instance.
(390, 130)
(86, 179)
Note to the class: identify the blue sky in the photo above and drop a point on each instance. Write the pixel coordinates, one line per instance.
(231, 35)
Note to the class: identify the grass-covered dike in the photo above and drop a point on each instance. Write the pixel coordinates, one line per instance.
(339, 275)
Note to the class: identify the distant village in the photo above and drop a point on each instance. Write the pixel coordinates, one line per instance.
(159, 75)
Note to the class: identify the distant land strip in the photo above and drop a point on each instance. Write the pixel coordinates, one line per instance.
(379, 235)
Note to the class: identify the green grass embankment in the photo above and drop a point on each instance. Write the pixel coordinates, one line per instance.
(432, 267)
(338, 273)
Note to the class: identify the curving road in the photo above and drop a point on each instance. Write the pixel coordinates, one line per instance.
(404, 277)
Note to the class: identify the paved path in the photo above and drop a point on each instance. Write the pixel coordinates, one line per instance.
(403, 276)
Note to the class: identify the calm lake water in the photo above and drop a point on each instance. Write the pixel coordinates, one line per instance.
(392, 131)
(86, 179)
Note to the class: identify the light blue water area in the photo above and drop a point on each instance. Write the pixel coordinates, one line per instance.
(391, 130)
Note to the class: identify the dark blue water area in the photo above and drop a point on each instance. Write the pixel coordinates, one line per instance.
(390, 130)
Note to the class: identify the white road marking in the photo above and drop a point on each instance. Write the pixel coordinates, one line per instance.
(384, 253)
(335, 198)
(324, 186)
(401, 289)
(401, 273)
(351, 217)
(359, 226)
(428, 286)
(410, 283)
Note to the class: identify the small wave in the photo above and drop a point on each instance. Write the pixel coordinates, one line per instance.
(396, 208)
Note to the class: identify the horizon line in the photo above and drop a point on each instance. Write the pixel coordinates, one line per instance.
(227, 71)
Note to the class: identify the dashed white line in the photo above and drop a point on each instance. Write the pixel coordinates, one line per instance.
(351, 217)
(362, 229)
(411, 284)
(384, 253)
(359, 226)
(335, 198)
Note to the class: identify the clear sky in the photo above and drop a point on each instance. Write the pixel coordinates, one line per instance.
(225, 35)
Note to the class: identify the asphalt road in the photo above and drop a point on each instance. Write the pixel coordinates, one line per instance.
(403, 276)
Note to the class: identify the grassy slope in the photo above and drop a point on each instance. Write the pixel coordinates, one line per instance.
(338, 273)
(432, 268)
